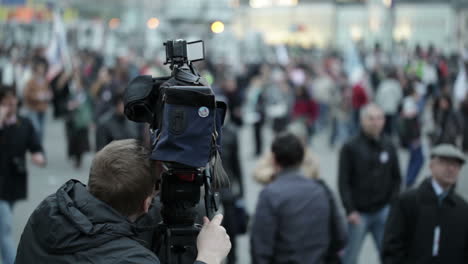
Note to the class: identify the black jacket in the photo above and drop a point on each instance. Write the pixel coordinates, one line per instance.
(72, 226)
(369, 174)
(15, 141)
(409, 233)
(112, 126)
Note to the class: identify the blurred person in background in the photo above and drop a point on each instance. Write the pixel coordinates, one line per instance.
(61, 90)
(235, 215)
(464, 114)
(430, 224)
(369, 179)
(388, 97)
(376, 62)
(17, 136)
(460, 86)
(430, 76)
(280, 100)
(291, 212)
(359, 96)
(233, 94)
(79, 119)
(102, 91)
(305, 109)
(323, 89)
(410, 134)
(341, 113)
(37, 96)
(113, 125)
(256, 109)
(447, 123)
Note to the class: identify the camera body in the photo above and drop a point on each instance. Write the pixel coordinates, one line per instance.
(185, 122)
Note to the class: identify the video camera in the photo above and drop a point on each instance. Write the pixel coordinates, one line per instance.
(185, 123)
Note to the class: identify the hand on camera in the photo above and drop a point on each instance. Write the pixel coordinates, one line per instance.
(213, 243)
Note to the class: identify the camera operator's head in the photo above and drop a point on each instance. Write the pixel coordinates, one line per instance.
(288, 151)
(121, 176)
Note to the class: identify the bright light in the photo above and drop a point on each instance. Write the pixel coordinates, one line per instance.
(270, 3)
(356, 33)
(260, 3)
(387, 3)
(402, 32)
(152, 23)
(286, 2)
(217, 27)
(114, 23)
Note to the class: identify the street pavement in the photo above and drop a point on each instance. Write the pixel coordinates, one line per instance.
(45, 181)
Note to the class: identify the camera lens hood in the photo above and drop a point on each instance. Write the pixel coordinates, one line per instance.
(138, 99)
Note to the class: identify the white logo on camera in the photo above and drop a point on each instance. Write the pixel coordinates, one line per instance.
(203, 111)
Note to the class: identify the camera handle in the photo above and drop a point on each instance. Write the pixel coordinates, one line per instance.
(188, 74)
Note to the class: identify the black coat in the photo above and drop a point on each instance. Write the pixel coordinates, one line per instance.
(448, 127)
(464, 114)
(15, 141)
(230, 156)
(72, 226)
(112, 126)
(369, 174)
(409, 233)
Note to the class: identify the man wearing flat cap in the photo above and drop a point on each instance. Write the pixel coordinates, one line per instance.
(430, 224)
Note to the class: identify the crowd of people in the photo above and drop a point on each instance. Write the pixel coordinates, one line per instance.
(368, 109)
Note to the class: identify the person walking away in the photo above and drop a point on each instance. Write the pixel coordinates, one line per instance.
(389, 96)
(79, 119)
(447, 124)
(37, 96)
(113, 125)
(411, 135)
(292, 211)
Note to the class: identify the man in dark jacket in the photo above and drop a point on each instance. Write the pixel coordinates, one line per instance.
(430, 224)
(369, 179)
(292, 212)
(96, 223)
(113, 125)
(17, 136)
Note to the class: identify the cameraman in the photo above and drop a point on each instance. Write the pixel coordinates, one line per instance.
(96, 223)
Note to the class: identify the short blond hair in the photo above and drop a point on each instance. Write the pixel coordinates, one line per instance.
(121, 175)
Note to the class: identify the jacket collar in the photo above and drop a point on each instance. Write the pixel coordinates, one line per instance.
(429, 194)
(370, 139)
(289, 172)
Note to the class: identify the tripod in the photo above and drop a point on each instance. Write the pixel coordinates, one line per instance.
(176, 236)
(179, 243)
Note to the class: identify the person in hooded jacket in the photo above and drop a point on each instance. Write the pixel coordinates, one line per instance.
(96, 223)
